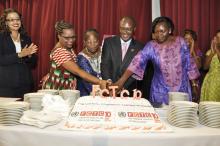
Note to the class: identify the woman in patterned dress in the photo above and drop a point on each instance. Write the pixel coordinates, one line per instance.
(190, 37)
(170, 56)
(89, 59)
(211, 84)
(64, 69)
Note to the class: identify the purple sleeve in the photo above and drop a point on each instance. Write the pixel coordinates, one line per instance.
(138, 64)
(193, 72)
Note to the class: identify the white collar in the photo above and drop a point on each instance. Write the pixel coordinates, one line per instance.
(127, 42)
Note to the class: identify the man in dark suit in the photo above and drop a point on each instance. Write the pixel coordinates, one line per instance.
(118, 51)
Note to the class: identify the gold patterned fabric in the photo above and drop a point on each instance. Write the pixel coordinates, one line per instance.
(211, 84)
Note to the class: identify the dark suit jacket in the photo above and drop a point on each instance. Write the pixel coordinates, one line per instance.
(112, 66)
(14, 72)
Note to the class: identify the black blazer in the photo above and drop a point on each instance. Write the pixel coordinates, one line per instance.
(15, 72)
(112, 66)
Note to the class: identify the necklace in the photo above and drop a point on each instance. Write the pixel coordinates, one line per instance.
(94, 59)
(92, 55)
(17, 39)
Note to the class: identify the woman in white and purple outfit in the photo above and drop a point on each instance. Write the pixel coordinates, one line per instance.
(171, 60)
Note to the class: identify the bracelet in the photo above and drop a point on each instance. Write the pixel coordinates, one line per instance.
(195, 85)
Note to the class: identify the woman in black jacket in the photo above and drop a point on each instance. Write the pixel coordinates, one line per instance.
(17, 56)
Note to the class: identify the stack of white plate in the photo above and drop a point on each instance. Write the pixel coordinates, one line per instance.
(35, 100)
(49, 91)
(182, 114)
(11, 112)
(70, 96)
(178, 96)
(209, 114)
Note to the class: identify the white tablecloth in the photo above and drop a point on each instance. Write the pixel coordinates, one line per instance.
(22, 135)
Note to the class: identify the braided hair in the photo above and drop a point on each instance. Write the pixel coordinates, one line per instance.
(61, 25)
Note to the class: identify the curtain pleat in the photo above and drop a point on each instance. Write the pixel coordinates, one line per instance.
(199, 15)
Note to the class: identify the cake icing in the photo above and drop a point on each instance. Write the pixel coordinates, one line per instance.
(113, 114)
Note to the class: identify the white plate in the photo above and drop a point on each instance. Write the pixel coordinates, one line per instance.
(13, 105)
(210, 115)
(184, 125)
(177, 110)
(27, 96)
(209, 103)
(13, 110)
(9, 122)
(209, 107)
(213, 125)
(10, 117)
(49, 91)
(207, 119)
(10, 113)
(8, 99)
(183, 104)
(216, 113)
(176, 117)
(183, 120)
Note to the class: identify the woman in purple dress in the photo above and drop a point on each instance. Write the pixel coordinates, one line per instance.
(170, 56)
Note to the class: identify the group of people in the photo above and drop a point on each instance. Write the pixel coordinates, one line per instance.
(166, 63)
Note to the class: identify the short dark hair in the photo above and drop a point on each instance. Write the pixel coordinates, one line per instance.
(163, 19)
(129, 18)
(192, 33)
(89, 31)
(218, 31)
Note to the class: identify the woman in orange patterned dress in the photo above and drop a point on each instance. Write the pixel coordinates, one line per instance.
(64, 69)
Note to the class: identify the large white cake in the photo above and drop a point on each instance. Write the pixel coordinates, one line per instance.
(114, 114)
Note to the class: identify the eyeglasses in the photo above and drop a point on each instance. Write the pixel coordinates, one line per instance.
(161, 31)
(89, 42)
(130, 30)
(69, 38)
(12, 20)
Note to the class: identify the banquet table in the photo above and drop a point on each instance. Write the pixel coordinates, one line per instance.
(23, 135)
